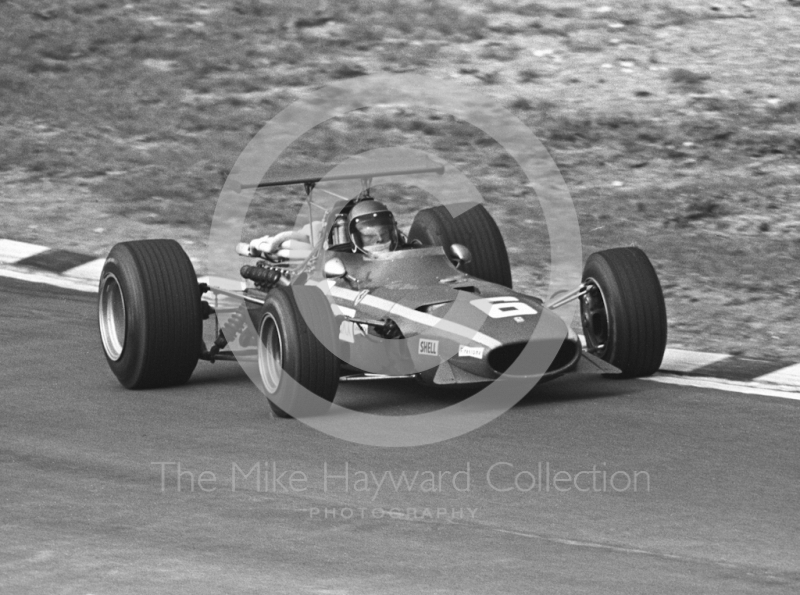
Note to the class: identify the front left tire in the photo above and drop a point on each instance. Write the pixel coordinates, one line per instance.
(295, 325)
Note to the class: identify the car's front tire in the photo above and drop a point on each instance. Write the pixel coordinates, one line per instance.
(623, 314)
(149, 312)
(295, 325)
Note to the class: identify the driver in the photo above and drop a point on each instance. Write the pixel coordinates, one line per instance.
(372, 228)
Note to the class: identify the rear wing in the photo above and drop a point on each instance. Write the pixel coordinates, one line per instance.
(365, 171)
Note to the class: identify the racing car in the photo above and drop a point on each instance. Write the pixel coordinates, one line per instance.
(435, 304)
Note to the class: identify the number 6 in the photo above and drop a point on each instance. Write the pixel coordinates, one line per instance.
(503, 307)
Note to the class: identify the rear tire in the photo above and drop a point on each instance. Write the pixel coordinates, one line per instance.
(623, 314)
(149, 311)
(295, 324)
(473, 228)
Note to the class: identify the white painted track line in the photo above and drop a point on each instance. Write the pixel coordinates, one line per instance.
(789, 375)
(49, 279)
(749, 388)
(89, 271)
(680, 360)
(13, 251)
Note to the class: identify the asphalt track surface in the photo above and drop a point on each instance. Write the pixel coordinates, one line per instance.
(84, 509)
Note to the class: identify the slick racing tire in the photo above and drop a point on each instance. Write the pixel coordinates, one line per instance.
(295, 325)
(149, 312)
(623, 313)
(473, 228)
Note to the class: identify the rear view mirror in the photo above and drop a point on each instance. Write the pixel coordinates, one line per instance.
(460, 254)
(334, 268)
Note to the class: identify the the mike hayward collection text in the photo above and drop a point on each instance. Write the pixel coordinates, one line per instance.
(344, 477)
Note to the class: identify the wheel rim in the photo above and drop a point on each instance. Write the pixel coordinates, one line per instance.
(270, 354)
(595, 319)
(113, 327)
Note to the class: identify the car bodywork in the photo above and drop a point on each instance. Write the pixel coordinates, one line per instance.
(457, 328)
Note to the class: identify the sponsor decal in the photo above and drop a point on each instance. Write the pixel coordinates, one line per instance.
(428, 347)
(503, 306)
(360, 297)
(467, 351)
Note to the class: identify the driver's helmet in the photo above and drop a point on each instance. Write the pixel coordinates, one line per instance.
(372, 227)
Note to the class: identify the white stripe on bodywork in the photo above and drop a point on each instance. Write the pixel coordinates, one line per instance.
(430, 320)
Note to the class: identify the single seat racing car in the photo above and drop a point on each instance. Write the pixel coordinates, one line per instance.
(352, 297)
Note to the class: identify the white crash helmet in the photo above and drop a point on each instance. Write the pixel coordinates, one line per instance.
(372, 228)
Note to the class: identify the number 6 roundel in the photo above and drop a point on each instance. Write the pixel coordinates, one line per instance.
(502, 306)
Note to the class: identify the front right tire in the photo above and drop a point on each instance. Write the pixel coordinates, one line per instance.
(623, 313)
